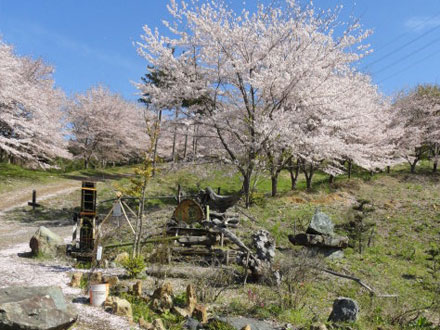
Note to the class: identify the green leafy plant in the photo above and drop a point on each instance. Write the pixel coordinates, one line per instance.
(84, 283)
(134, 266)
(216, 324)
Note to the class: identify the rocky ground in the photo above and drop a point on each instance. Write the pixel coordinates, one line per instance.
(17, 269)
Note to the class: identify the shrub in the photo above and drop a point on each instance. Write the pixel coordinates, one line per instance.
(134, 266)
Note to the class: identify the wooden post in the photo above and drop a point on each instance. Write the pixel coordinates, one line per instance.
(34, 203)
(178, 193)
(34, 199)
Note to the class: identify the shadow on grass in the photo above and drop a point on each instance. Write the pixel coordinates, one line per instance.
(96, 175)
(48, 217)
(27, 255)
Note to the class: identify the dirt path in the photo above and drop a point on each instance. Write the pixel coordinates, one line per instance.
(17, 198)
(16, 270)
(12, 232)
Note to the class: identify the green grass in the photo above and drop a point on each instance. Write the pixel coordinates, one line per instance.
(406, 217)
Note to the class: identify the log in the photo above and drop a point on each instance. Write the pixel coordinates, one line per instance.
(359, 281)
(148, 241)
(187, 231)
(327, 241)
(246, 215)
(207, 240)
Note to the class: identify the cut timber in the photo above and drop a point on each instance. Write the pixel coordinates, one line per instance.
(221, 254)
(147, 241)
(188, 211)
(208, 240)
(188, 231)
(319, 240)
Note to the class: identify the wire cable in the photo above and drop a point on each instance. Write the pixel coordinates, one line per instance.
(409, 66)
(400, 36)
(403, 58)
(402, 47)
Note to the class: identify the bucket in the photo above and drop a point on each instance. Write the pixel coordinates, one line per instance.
(98, 294)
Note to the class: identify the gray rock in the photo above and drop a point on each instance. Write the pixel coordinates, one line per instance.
(45, 242)
(344, 310)
(264, 245)
(319, 240)
(334, 254)
(35, 308)
(321, 224)
(191, 324)
(240, 322)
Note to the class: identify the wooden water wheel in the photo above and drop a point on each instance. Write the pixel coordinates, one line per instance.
(188, 211)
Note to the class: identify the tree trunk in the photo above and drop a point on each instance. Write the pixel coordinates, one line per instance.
(309, 176)
(139, 222)
(350, 167)
(434, 167)
(331, 179)
(174, 153)
(436, 154)
(294, 172)
(185, 147)
(195, 142)
(274, 178)
(413, 166)
(388, 169)
(86, 164)
(247, 188)
(157, 128)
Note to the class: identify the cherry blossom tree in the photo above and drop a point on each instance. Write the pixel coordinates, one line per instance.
(259, 75)
(105, 127)
(31, 117)
(355, 130)
(418, 113)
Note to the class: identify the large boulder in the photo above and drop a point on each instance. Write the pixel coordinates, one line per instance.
(344, 310)
(264, 245)
(339, 242)
(321, 224)
(35, 308)
(45, 242)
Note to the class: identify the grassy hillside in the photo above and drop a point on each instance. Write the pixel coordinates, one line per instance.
(13, 177)
(400, 256)
(396, 261)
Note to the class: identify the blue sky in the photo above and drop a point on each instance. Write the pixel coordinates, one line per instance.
(91, 41)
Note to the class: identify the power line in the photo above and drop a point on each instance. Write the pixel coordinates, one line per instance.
(409, 66)
(407, 56)
(400, 36)
(403, 46)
